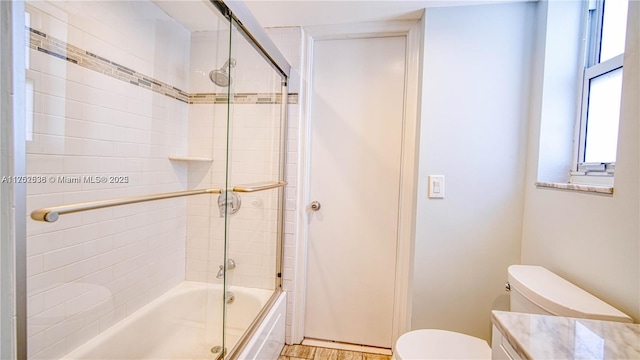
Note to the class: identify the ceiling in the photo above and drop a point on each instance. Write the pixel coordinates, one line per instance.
(201, 15)
(279, 13)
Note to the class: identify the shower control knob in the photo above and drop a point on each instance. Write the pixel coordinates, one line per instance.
(315, 206)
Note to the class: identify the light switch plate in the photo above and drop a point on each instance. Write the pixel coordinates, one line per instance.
(436, 186)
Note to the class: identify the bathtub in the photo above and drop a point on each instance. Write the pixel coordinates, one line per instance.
(184, 323)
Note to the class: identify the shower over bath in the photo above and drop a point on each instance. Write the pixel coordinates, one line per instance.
(221, 76)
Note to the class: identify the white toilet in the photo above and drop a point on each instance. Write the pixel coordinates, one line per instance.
(534, 289)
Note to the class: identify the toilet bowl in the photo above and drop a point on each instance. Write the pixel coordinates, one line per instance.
(439, 344)
(534, 289)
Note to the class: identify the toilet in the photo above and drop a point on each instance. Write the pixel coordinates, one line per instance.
(535, 290)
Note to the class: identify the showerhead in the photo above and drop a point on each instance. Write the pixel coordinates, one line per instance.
(221, 76)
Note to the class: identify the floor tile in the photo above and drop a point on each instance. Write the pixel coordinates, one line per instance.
(299, 351)
(326, 354)
(367, 356)
(349, 355)
(305, 352)
(282, 357)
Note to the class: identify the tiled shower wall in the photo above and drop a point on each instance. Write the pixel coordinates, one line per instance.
(207, 134)
(289, 41)
(88, 270)
(254, 116)
(109, 84)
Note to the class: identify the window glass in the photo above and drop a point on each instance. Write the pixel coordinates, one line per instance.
(613, 28)
(602, 117)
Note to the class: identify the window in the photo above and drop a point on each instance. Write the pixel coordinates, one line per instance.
(601, 87)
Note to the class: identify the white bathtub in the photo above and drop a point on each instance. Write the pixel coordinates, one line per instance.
(184, 323)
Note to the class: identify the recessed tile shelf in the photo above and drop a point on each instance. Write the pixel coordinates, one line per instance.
(190, 158)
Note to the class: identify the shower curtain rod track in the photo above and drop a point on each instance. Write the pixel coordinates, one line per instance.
(51, 214)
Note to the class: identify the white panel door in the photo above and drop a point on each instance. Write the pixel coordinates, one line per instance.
(355, 157)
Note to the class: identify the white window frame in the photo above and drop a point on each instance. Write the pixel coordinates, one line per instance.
(591, 69)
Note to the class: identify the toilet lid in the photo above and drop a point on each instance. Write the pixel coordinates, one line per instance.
(440, 344)
(558, 296)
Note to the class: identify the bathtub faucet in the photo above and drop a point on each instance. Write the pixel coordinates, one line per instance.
(229, 200)
(230, 266)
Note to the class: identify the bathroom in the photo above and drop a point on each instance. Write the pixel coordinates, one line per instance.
(493, 214)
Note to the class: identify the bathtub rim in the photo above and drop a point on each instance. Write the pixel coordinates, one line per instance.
(255, 324)
(186, 287)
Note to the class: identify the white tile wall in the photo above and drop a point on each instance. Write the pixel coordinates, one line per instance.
(289, 41)
(254, 136)
(89, 270)
(209, 51)
(205, 229)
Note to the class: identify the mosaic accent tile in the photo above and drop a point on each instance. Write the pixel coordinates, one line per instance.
(240, 98)
(51, 46)
(73, 54)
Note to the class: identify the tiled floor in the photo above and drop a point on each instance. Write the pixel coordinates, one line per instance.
(303, 352)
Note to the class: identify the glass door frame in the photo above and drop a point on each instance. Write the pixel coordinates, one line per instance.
(248, 27)
(13, 164)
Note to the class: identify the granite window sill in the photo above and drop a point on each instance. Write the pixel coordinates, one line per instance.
(600, 189)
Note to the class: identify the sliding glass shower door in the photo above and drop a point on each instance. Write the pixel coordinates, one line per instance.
(155, 149)
(254, 183)
(125, 235)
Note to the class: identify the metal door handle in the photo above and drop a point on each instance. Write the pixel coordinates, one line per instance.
(315, 206)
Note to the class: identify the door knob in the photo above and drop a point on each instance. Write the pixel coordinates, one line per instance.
(315, 206)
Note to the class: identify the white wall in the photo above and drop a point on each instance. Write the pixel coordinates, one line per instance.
(477, 80)
(560, 32)
(592, 240)
(473, 131)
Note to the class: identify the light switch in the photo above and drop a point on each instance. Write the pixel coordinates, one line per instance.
(436, 186)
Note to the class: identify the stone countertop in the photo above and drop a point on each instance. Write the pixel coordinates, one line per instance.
(536, 337)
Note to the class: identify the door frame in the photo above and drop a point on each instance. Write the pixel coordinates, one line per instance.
(408, 173)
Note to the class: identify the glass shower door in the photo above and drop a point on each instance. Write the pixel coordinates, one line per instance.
(124, 111)
(206, 216)
(255, 179)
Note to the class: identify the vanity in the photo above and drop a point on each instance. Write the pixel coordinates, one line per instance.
(537, 337)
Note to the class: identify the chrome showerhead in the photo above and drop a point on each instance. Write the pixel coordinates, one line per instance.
(221, 76)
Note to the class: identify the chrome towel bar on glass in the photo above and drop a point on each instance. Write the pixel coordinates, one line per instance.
(51, 214)
(259, 186)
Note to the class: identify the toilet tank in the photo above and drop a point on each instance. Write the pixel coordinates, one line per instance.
(537, 290)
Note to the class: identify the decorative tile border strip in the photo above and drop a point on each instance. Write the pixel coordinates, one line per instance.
(240, 98)
(51, 46)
